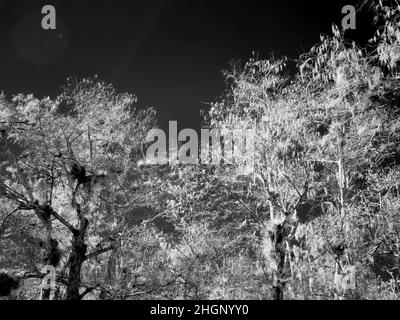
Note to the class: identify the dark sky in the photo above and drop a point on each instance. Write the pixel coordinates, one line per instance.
(170, 53)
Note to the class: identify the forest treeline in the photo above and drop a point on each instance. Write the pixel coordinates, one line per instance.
(316, 217)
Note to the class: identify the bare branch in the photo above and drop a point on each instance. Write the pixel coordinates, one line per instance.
(64, 222)
(121, 206)
(98, 252)
(2, 228)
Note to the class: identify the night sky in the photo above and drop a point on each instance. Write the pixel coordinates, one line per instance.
(170, 53)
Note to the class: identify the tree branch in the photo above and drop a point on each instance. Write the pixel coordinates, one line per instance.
(5, 220)
(64, 222)
(98, 252)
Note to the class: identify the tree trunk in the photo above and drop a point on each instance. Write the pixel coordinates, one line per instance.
(280, 254)
(76, 261)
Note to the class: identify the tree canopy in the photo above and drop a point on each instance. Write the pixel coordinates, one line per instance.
(314, 215)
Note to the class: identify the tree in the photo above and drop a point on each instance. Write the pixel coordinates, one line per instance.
(320, 138)
(62, 159)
